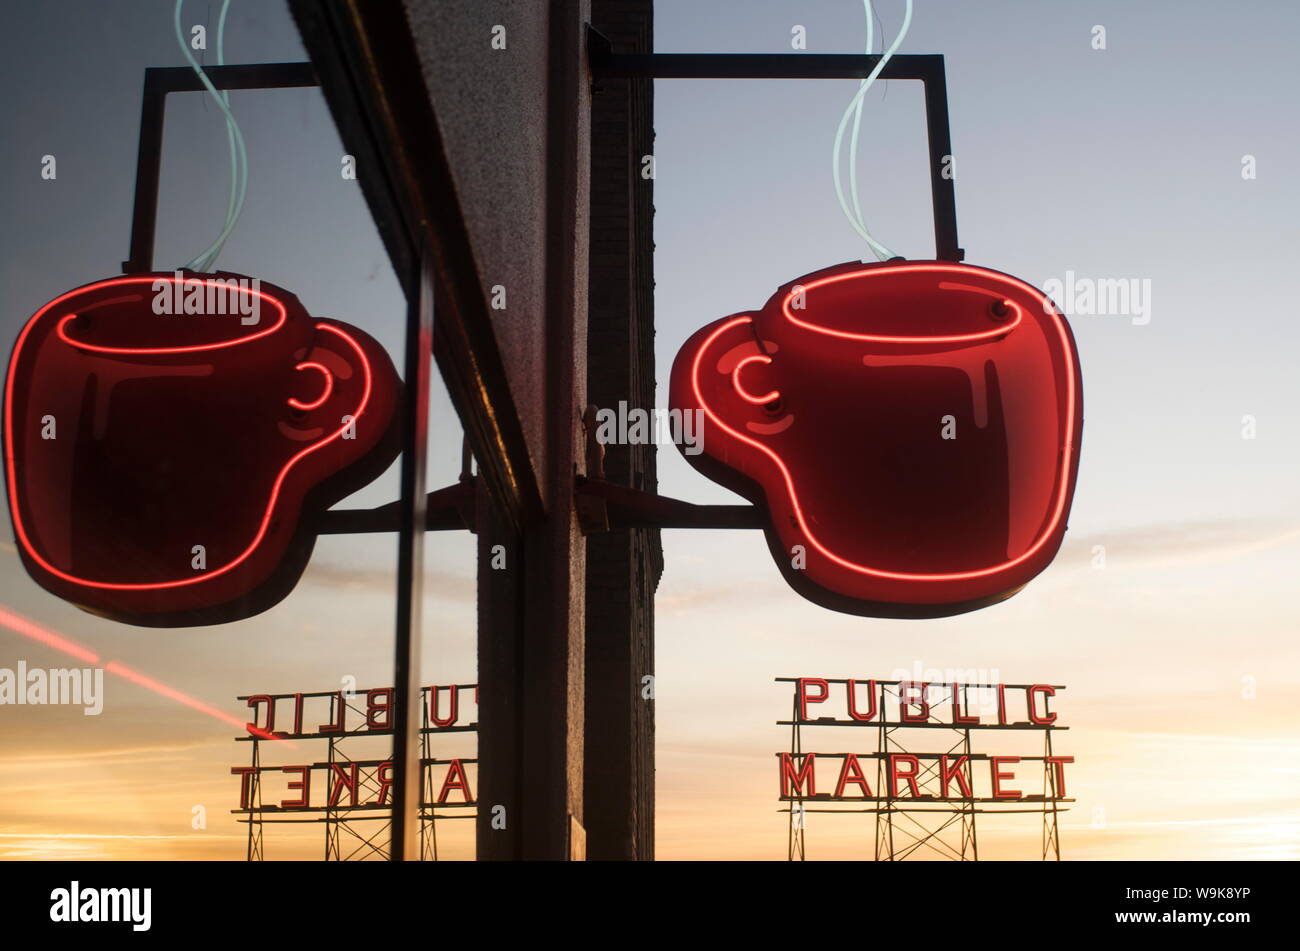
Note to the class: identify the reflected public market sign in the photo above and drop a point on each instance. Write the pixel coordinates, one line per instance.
(170, 437)
(910, 428)
(350, 782)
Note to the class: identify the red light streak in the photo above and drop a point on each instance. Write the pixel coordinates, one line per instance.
(30, 629)
(37, 633)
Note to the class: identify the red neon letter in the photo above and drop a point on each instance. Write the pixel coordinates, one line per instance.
(907, 699)
(1002, 704)
(336, 727)
(303, 784)
(340, 780)
(995, 763)
(1057, 764)
(385, 781)
(957, 715)
(806, 773)
(851, 772)
(453, 711)
(895, 775)
(455, 780)
(297, 713)
(948, 773)
(806, 698)
(245, 774)
(1046, 691)
(853, 705)
(270, 714)
(373, 707)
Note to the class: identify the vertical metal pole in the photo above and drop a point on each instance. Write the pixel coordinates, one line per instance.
(428, 824)
(405, 845)
(880, 775)
(255, 802)
(332, 818)
(795, 842)
(1051, 831)
(158, 82)
(942, 191)
(889, 780)
(148, 170)
(500, 710)
(970, 806)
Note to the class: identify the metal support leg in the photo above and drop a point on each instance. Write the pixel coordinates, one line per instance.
(410, 570)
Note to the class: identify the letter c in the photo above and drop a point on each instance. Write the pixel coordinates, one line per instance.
(744, 393)
(325, 393)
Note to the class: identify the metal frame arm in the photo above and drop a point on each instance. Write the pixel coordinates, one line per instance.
(448, 509)
(928, 68)
(158, 82)
(602, 507)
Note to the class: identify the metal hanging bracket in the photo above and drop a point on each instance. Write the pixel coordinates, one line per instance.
(928, 68)
(158, 82)
(602, 507)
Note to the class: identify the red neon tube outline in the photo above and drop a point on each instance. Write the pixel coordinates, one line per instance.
(21, 531)
(80, 345)
(744, 393)
(1066, 453)
(329, 386)
(997, 331)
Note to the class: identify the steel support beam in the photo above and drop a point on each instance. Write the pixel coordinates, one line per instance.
(405, 845)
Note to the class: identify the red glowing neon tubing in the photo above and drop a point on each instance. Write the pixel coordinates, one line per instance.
(329, 387)
(744, 393)
(80, 345)
(270, 508)
(877, 338)
(789, 481)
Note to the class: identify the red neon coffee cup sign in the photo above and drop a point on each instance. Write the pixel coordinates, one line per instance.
(912, 430)
(163, 465)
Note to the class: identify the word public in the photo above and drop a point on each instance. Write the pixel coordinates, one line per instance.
(353, 783)
(374, 707)
(957, 704)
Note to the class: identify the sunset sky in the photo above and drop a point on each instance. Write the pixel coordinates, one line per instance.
(1169, 613)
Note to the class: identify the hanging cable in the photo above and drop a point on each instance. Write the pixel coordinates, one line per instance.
(235, 202)
(854, 110)
(857, 123)
(206, 259)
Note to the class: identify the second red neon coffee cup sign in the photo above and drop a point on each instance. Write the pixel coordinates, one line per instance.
(911, 429)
